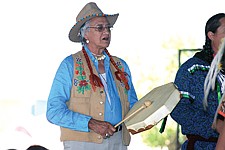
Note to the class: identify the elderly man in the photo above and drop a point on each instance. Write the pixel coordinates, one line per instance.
(92, 91)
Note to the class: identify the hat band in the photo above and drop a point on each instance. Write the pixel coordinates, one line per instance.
(93, 15)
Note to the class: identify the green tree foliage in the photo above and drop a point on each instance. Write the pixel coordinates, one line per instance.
(171, 49)
(168, 138)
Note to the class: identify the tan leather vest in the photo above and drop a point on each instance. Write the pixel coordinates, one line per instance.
(86, 101)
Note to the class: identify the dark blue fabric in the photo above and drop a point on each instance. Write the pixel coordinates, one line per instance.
(191, 115)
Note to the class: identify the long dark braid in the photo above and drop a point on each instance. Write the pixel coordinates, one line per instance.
(208, 50)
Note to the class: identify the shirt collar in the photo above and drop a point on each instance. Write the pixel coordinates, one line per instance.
(91, 56)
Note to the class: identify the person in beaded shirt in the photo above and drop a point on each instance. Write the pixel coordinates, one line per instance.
(92, 91)
(189, 113)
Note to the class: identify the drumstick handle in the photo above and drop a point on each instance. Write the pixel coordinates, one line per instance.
(142, 107)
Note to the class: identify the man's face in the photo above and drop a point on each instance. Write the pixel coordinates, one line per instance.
(99, 35)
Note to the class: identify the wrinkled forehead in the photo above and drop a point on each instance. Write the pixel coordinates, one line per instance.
(99, 20)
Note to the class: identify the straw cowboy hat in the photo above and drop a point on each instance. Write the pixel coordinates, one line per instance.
(89, 11)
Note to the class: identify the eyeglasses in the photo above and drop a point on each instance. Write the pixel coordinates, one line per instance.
(101, 28)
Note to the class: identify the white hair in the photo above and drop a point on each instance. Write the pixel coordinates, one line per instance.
(83, 30)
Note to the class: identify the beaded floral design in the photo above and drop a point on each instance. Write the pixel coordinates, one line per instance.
(122, 69)
(81, 81)
(120, 66)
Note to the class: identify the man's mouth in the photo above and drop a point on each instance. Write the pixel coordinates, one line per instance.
(105, 38)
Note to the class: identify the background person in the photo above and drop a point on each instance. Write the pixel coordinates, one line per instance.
(189, 113)
(36, 147)
(217, 66)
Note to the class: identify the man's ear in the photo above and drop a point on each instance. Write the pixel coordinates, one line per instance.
(85, 37)
(210, 34)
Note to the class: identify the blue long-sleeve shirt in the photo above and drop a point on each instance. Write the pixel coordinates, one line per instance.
(189, 112)
(57, 110)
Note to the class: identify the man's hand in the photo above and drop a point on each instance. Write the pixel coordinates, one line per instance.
(105, 129)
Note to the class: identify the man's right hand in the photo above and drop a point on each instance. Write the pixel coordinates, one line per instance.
(101, 127)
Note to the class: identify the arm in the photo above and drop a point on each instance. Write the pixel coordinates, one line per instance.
(132, 96)
(221, 141)
(57, 110)
(220, 126)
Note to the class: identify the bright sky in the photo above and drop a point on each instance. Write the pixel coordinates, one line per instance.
(34, 37)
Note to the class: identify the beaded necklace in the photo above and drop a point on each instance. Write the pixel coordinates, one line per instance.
(95, 81)
(99, 57)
